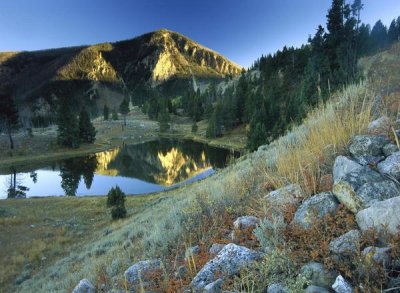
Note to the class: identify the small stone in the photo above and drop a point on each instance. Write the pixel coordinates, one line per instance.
(277, 288)
(342, 286)
(346, 245)
(391, 166)
(246, 222)
(367, 149)
(84, 286)
(379, 126)
(143, 272)
(214, 287)
(380, 256)
(390, 149)
(282, 197)
(318, 275)
(343, 166)
(216, 248)
(316, 207)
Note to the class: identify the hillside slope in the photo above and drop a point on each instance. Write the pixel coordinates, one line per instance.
(104, 73)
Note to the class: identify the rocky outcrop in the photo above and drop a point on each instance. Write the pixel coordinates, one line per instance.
(84, 286)
(379, 126)
(391, 166)
(362, 187)
(346, 245)
(382, 216)
(278, 199)
(378, 255)
(143, 273)
(229, 261)
(343, 166)
(316, 207)
(368, 149)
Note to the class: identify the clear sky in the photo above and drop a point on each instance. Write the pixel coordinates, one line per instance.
(241, 30)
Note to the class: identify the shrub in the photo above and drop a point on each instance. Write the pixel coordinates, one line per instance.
(116, 200)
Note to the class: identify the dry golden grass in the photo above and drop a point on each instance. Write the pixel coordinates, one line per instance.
(325, 133)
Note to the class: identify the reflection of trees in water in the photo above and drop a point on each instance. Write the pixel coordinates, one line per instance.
(15, 189)
(71, 171)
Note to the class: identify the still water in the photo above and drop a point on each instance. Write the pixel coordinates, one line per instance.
(136, 169)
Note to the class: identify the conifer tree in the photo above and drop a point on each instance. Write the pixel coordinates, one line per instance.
(114, 115)
(106, 112)
(8, 115)
(87, 132)
(124, 108)
(68, 130)
(378, 36)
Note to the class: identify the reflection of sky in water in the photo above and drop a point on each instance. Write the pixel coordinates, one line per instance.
(49, 184)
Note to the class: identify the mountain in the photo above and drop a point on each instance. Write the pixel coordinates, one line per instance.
(104, 73)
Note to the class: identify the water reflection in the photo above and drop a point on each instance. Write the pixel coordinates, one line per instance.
(137, 169)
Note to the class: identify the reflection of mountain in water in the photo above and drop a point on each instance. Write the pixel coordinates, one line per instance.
(162, 162)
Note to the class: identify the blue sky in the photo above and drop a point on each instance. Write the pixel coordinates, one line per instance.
(241, 30)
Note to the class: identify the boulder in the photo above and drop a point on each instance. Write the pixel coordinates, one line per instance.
(316, 207)
(390, 149)
(343, 166)
(214, 287)
(316, 289)
(318, 276)
(277, 288)
(368, 149)
(229, 262)
(346, 245)
(378, 255)
(391, 166)
(379, 126)
(382, 216)
(84, 286)
(216, 248)
(282, 197)
(246, 222)
(342, 286)
(142, 273)
(362, 187)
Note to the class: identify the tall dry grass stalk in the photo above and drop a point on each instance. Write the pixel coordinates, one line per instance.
(326, 132)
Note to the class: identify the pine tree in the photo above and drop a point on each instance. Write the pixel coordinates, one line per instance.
(116, 200)
(8, 115)
(393, 32)
(114, 115)
(378, 36)
(256, 136)
(87, 132)
(214, 128)
(106, 112)
(68, 130)
(124, 108)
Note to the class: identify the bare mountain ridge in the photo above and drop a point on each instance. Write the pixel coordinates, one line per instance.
(104, 73)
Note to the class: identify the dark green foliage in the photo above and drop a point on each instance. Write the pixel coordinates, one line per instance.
(124, 108)
(256, 136)
(68, 129)
(87, 132)
(214, 128)
(379, 37)
(114, 115)
(116, 200)
(8, 114)
(106, 112)
(194, 127)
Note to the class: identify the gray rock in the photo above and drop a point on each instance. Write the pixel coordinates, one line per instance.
(379, 126)
(316, 207)
(362, 187)
(246, 222)
(23, 276)
(192, 251)
(367, 149)
(216, 248)
(277, 288)
(288, 195)
(142, 272)
(343, 166)
(84, 286)
(316, 289)
(379, 255)
(214, 287)
(390, 149)
(318, 275)
(391, 165)
(347, 244)
(181, 272)
(382, 216)
(342, 286)
(229, 261)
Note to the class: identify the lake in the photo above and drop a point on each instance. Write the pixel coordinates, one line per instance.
(137, 169)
